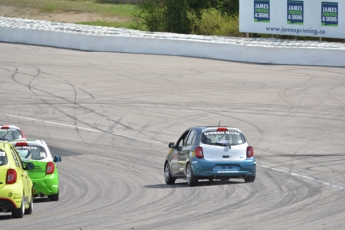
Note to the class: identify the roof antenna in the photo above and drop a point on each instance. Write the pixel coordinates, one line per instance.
(219, 124)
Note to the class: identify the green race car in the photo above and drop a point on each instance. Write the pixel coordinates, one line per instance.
(45, 175)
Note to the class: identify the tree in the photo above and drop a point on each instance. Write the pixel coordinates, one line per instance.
(230, 7)
(176, 19)
(151, 15)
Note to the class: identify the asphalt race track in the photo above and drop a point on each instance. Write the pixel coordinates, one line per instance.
(110, 116)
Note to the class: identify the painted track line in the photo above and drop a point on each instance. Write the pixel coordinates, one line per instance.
(303, 176)
(82, 128)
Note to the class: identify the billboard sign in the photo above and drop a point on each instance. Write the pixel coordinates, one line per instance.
(315, 18)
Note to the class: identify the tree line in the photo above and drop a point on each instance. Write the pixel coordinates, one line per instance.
(187, 16)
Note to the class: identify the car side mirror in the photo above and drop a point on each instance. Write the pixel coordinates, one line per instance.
(29, 166)
(57, 159)
(171, 145)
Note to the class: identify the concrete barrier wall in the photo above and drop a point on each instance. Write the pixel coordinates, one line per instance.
(265, 51)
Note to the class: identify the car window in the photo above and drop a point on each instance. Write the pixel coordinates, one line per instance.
(16, 134)
(31, 152)
(182, 140)
(10, 134)
(223, 138)
(190, 138)
(16, 159)
(5, 134)
(3, 158)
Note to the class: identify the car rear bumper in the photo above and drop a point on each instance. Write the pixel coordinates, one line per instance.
(45, 186)
(224, 169)
(7, 204)
(9, 198)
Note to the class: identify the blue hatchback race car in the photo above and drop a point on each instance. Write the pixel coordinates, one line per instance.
(210, 153)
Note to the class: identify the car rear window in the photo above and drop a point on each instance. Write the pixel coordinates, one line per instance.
(31, 152)
(223, 138)
(3, 158)
(10, 134)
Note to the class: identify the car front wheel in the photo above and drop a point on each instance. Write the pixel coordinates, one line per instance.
(167, 175)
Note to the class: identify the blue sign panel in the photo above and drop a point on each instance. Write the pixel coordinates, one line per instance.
(329, 14)
(262, 11)
(295, 12)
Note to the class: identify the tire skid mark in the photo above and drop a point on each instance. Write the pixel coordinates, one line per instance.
(70, 116)
(6, 94)
(74, 102)
(88, 190)
(129, 199)
(75, 106)
(127, 161)
(64, 99)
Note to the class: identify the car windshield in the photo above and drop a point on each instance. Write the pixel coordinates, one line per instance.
(31, 152)
(3, 158)
(10, 134)
(223, 138)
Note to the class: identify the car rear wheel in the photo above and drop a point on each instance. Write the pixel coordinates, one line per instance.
(191, 179)
(19, 212)
(167, 175)
(31, 205)
(249, 179)
(54, 197)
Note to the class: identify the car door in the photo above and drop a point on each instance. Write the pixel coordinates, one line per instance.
(175, 153)
(22, 174)
(183, 155)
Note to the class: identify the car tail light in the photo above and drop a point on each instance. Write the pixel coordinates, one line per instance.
(222, 129)
(11, 176)
(250, 151)
(21, 144)
(5, 127)
(50, 168)
(199, 153)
